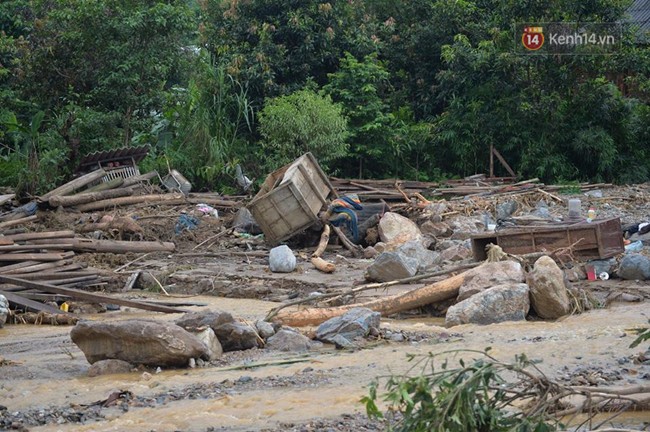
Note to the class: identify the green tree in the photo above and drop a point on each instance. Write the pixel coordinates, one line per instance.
(303, 121)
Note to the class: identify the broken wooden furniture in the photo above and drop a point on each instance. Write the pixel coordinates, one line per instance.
(597, 239)
(290, 199)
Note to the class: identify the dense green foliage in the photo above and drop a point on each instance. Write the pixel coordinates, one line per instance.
(302, 122)
(424, 86)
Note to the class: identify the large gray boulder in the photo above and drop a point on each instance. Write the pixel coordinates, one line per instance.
(288, 340)
(282, 259)
(396, 229)
(231, 335)
(150, 343)
(209, 338)
(549, 296)
(390, 266)
(634, 267)
(192, 321)
(489, 275)
(4, 310)
(236, 336)
(417, 250)
(344, 329)
(497, 304)
(436, 229)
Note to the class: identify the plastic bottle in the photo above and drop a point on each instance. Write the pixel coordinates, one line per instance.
(591, 214)
(574, 208)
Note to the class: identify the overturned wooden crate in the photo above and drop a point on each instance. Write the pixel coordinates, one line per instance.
(290, 199)
(598, 239)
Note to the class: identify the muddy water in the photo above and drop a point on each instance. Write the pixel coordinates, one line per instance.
(50, 370)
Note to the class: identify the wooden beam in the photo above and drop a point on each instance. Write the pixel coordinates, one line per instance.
(83, 295)
(40, 235)
(75, 184)
(31, 257)
(30, 304)
(113, 246)
(86, 197)
(18, 221)
(503, 162)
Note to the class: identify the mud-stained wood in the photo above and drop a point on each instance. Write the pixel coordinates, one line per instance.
(83, 295)
(30, 304)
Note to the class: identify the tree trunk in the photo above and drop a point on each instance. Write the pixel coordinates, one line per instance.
(87, 197)
(427, 294)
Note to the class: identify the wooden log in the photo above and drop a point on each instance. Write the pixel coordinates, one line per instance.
(30, 304)
(322, 265)
(75, 184)
(20, 265)
(324, 240)
(356, 250)
(50, 256)
(4, 241)
(45, 318)
(427, 294)
(130, 181)
(104, 186)
(18, 221)
(37, 266)
(83, 295)
(115, 246)
(157, 199)
(40, 235)
(87, 197)
(27, 247)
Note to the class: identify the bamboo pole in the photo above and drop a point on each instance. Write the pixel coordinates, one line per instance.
(40, 235)
(18, 221)
(114, 246)
(157, 199)
(87, 197)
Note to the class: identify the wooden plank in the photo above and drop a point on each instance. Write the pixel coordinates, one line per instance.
(503, 162)
(41, 266)
(83, 295)
(30, 304)
(18, 221)
(114, 246)
(16, 248)
(86, 197)
(75, 184)
(31, 256)
(11, 267)
(49, 275)
(40, 235)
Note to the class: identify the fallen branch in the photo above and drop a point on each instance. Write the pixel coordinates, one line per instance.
(418, 297)
(330, 297)
(356, 250)
(316, 260)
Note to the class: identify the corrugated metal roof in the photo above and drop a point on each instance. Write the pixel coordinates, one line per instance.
(639, 16)
(123, 154)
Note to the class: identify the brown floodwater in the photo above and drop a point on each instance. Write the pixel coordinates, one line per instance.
(50, 371)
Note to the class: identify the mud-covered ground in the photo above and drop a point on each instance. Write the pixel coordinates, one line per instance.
(43, 376)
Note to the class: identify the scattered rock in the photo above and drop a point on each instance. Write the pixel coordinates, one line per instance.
(390, 266)
(245, 222)
(192, 321)
(282, 259)
(541, 211)
(417, 250)
(4, 310)
(109, 367)
(210, 340)
(489, 275)
(634, 267)
(380, 247)
(436, 229)
(236, 336)
(151, 343)
(506, 209)
(575, 274)
(396, 229)
(457, 252)
(437, 208)
(464, 227)
(288, 340)
(370, 252)
(548, 291)
(353, 324)
(264, 329)
(500, 303)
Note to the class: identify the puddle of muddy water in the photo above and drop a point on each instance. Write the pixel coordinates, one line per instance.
(50, 370)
